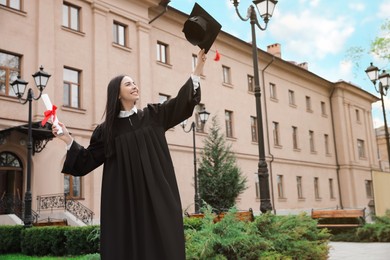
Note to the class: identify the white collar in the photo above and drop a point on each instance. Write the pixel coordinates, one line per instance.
(125, 113)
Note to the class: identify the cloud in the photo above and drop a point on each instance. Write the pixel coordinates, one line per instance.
(384, 10)
(356, 7)
(309, 34)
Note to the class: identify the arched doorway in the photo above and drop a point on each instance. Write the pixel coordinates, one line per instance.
(11, 184)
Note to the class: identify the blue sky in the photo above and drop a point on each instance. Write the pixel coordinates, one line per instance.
(319, 32)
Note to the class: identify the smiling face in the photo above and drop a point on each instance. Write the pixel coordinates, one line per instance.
(128, 93)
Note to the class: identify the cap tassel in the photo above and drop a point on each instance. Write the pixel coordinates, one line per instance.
(217, 56)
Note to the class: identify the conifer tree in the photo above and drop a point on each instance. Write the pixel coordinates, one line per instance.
(220, 179)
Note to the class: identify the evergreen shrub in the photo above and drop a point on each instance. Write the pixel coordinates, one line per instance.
(268, 237)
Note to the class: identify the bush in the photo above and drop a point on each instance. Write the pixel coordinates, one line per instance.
(58, 241)
(78, 240)
(41, 241)
(192, 223)
(294, 235)
(268, 237)
(10, 237)
(379, 231)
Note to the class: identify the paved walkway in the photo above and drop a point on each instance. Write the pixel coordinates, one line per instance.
(359, 251)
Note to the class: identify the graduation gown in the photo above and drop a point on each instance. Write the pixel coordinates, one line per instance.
(141, 214)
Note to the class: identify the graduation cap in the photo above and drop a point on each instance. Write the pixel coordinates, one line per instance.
(201, 28)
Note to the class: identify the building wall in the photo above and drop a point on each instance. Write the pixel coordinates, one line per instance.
(37, 34)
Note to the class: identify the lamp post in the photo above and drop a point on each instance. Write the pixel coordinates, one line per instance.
(203, 115)
(265, 9)
(383, 86)
(19, 87)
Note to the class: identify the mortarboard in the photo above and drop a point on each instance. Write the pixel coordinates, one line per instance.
(201, 28)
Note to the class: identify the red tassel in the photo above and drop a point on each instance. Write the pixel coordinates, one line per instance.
(217, 56)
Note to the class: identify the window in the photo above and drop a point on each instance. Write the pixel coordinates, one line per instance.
(14, 4)
(162, 52)
(316, 188)
(9, 71)
(311, 140)
(276, 133)
(291, 98)
(279, 181)
(369, 189)
(357, 112)
(71, 88)
(295, 137)
(72, 186)
(229, 123)
(251, 83)
(162, 98)
(226, 74)
(323, 108)
(331, 189)
(272, 91)
(361, 150)
(326, 143)
(8, 159)
(119, 33)
(308, 104)
(299, 187)
(254, 128)
(71, 16)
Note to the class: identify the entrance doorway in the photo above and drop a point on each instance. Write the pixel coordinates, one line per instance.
(11, 184)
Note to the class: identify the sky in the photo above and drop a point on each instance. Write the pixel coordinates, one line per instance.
(319, 32)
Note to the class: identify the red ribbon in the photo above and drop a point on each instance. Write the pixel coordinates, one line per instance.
(217, 56)
(48, 114)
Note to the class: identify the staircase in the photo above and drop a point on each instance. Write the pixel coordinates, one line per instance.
(60, 201)
(54, 209)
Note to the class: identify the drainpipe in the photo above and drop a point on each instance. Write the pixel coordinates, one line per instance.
(335, 148)
(163, 3)
(268, 139)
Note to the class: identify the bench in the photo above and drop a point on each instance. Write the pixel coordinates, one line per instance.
(339, 218)
(51, 222)
(244, 215)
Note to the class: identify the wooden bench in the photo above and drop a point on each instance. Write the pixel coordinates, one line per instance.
(339, 218)
(51, 222)
(240, 215)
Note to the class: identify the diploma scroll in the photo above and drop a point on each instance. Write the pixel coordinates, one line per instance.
(51, 112)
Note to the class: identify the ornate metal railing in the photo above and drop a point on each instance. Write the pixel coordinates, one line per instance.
(10, 204)
(60, 201)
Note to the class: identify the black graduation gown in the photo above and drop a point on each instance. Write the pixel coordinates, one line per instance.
(141, 214)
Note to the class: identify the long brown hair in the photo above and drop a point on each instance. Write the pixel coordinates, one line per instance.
(113, 106)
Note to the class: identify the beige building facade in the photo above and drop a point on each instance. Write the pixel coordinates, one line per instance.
(319, 138)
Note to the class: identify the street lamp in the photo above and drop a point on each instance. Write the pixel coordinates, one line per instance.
(265, 9)
(19, 87)
(203, 116)
(384, 80)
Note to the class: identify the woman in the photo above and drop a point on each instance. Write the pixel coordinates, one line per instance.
(141, 215)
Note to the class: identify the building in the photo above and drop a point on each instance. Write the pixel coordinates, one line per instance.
(319, 137)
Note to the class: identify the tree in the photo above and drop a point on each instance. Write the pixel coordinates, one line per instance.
(220, 180)
(379, 47)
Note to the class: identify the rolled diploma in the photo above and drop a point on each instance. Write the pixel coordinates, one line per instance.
(49, 106)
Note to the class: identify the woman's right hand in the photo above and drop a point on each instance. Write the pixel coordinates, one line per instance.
(65, 136)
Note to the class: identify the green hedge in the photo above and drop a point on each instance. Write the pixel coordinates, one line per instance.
(43, 241)
(10, 237)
